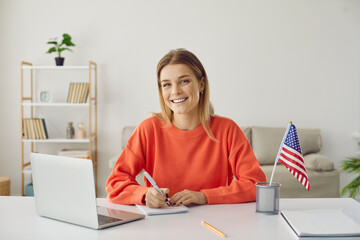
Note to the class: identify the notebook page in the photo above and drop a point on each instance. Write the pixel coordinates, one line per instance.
(164, 210)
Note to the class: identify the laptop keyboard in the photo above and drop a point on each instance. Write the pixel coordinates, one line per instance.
(105, 219)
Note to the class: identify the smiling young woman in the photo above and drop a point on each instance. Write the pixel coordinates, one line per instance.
(183, 60)
(191, 153)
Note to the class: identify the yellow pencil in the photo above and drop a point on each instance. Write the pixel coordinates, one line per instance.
(213, 228)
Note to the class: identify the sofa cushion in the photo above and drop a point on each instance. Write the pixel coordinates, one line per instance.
(318, 162)
(127, 131)
(310, 140)
(126, 134)
(247, 132)
(266, 141)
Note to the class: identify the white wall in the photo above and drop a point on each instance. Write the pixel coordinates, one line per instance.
(268, 62)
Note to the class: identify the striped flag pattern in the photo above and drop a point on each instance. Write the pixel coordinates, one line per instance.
(291, 156)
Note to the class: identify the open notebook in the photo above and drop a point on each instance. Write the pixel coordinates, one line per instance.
(164, 210)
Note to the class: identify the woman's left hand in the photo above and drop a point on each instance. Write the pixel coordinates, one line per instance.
(187, 197)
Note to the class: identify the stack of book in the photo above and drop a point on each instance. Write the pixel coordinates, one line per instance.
(34, 128)
(76, 153)
(78, 92)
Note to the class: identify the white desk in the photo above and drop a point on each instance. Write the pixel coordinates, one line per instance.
(18, 220)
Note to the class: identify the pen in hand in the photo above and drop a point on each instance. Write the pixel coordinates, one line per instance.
(153, 183)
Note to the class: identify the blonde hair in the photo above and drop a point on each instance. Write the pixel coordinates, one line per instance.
(206, 110)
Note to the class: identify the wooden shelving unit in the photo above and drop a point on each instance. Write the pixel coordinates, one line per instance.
(29, 101)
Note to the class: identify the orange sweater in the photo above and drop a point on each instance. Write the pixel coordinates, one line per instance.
(190, 160)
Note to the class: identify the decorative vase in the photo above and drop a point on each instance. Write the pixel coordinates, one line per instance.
(70, 132)
(59, 61)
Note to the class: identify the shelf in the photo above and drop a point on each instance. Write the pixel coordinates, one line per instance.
(31, 107)
(56, 67)
(56, 104)
(57, 140)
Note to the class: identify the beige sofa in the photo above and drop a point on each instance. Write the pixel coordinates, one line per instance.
(265, 141)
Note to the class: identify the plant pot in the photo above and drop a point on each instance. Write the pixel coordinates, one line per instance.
(59, 61)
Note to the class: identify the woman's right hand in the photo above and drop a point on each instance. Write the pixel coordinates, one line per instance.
(154, 199)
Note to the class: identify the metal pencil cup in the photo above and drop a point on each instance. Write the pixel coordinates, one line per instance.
(267, 197)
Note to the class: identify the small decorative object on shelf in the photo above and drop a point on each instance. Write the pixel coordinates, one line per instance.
(59, 48)
(81, 134)
(45, 96)
(70, 132)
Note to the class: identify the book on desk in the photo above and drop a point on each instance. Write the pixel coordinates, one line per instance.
(320, 224)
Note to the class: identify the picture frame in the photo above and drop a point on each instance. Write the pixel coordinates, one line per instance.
(45, 96)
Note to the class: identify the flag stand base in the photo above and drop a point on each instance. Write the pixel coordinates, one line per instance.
(267, 197)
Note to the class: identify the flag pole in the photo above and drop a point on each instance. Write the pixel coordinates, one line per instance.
(278, 154)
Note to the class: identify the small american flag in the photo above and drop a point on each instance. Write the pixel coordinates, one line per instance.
(291, 156)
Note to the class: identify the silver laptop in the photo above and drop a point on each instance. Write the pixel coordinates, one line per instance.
(64, 190)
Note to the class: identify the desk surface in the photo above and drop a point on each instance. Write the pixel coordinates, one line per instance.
(18, 220)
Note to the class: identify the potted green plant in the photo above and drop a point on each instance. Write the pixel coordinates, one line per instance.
(352, 165)
(59, 47)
